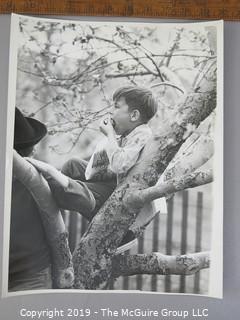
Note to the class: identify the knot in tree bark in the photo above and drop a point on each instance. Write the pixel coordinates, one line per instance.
(132, 199)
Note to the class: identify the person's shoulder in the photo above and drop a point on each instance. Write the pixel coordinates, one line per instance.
(142, 129)
(140, 134)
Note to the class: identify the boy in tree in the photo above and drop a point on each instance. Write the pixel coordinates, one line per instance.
(84, 187)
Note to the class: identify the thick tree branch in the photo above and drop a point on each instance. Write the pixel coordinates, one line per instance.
(157, 263)
(196, 151)
(190, 180)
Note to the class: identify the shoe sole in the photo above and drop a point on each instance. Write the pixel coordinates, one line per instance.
(126, 246)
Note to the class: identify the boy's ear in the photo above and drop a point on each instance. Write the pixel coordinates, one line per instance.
(135, 115)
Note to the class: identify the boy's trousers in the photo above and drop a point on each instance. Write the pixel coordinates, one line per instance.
(81, 195)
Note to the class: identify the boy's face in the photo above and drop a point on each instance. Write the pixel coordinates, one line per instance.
(122, 117)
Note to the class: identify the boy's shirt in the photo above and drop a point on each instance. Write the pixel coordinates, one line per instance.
(109, 161)
(106, 164)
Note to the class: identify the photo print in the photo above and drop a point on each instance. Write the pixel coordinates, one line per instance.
(114, 151)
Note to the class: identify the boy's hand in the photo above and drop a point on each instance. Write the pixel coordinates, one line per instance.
(106, 127)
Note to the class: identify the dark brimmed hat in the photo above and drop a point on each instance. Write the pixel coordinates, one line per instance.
(27, 131)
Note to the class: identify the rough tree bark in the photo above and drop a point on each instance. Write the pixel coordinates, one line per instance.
(194, 152)
(190, 180)
(93, 258)
(157, 263)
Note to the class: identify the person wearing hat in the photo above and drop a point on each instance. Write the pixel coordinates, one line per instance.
(27, 133)
(29, 256)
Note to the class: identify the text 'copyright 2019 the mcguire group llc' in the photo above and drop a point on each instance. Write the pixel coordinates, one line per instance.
(164, 313)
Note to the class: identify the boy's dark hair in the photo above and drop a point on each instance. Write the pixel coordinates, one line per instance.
(138, 98)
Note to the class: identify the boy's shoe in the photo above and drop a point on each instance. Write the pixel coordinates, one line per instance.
(146, 215)
(127, 242)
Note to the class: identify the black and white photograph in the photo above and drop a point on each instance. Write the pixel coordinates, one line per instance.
(115, 157)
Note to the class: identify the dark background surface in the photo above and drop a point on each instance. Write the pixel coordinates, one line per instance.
(175, 9)
(226, 308)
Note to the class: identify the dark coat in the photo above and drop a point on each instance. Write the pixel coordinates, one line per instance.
(29, 251)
